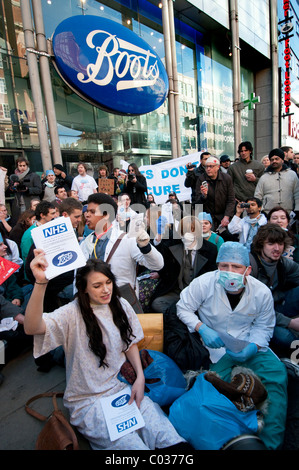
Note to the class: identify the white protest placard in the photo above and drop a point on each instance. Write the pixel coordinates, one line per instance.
(121, 418)
(136, 226)
(58, 240)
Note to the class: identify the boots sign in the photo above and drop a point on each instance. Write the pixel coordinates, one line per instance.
(109, 66)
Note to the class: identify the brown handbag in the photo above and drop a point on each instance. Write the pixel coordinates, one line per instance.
(57, 434)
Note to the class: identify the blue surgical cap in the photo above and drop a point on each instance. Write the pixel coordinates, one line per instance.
(50, 172)
(205, 216)
(233, 252)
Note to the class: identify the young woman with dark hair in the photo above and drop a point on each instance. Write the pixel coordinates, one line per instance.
(99, 331)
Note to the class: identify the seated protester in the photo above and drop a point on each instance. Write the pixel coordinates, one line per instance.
(83, 230)
(59, 194)
(71, 208)
(25, 221)
(160, 233)
(4, 220)
(100, 217)
(207, 233)
(100, 330)
(44, 212)
(193, 256)
(229, 301)
(247, 227)
(11, 249)
(12, 312)
(281, 217)
(124, 212)
(281, 275)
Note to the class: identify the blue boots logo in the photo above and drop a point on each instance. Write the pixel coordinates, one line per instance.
(109, 65)
(64, 258)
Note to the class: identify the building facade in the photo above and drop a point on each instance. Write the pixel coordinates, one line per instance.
(205, 49)
(289, 71)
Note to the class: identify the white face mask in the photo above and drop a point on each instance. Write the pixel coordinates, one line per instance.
(232, 282)
(188, 239)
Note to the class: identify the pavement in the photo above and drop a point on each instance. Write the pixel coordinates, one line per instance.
(18, 429)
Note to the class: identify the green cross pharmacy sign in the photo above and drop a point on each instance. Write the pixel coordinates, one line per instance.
(251, 101)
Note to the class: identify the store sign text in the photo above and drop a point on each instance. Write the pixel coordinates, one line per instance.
(287, 56)
(109, 65)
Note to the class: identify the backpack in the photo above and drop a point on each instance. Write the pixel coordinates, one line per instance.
(185, 348)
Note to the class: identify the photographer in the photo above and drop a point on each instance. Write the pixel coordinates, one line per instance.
(193, 173)
(247, 226)
(136, 187)
(24, 184)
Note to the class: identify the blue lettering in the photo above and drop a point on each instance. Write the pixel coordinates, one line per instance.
(176, 188)
(57, 229)
(155, 190)
(149, 174)
(164, 173)
(166, 189)
(126, 424)
(174, 172)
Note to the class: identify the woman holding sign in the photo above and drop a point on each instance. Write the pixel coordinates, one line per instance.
(99, 331)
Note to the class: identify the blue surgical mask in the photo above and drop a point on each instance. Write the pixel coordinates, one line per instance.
(232, 282)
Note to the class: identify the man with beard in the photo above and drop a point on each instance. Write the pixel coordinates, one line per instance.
(279, 185)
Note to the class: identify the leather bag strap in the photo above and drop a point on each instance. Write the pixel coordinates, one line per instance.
(112, 251)
(35, 413)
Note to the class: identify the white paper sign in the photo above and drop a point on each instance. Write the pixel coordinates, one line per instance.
(121, 418)
(58, 240)
(136, 226)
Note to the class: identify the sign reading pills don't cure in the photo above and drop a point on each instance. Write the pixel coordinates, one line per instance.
(109, 65)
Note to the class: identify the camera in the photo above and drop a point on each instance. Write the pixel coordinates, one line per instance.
(244, 205)
(15, 179)
(131, 176)
(190, 165)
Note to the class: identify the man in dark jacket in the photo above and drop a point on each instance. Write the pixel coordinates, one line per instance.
(281, 275)
(215, 192)
(192, 174)
(184, 260)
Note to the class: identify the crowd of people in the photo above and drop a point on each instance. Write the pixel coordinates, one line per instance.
(226, 262)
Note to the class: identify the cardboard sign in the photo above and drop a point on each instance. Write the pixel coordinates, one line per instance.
(106, 185)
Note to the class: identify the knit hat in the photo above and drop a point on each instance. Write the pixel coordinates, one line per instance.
(245, 390)
(224, 158)
(212, 161)
(277, 152)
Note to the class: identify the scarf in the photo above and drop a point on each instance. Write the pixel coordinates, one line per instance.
(20, 175)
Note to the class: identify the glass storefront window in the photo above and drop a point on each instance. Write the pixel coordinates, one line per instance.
(91, 134)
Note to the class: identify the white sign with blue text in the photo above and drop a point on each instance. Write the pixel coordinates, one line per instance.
(121, 418)
(62, 251)
(168, 176)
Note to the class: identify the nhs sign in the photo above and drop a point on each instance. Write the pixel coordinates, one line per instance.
(54, 230)
(109, 65)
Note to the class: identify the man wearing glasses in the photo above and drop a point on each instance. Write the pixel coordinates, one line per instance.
(214, 190)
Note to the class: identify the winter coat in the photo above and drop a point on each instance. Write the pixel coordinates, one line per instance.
(220, 200)
(245, 189)
(278, 189)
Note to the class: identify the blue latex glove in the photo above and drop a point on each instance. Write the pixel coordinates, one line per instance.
(160, 224)
(210, 337)
(248, 352)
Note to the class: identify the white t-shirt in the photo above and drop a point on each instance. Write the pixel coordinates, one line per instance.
(84, 185)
